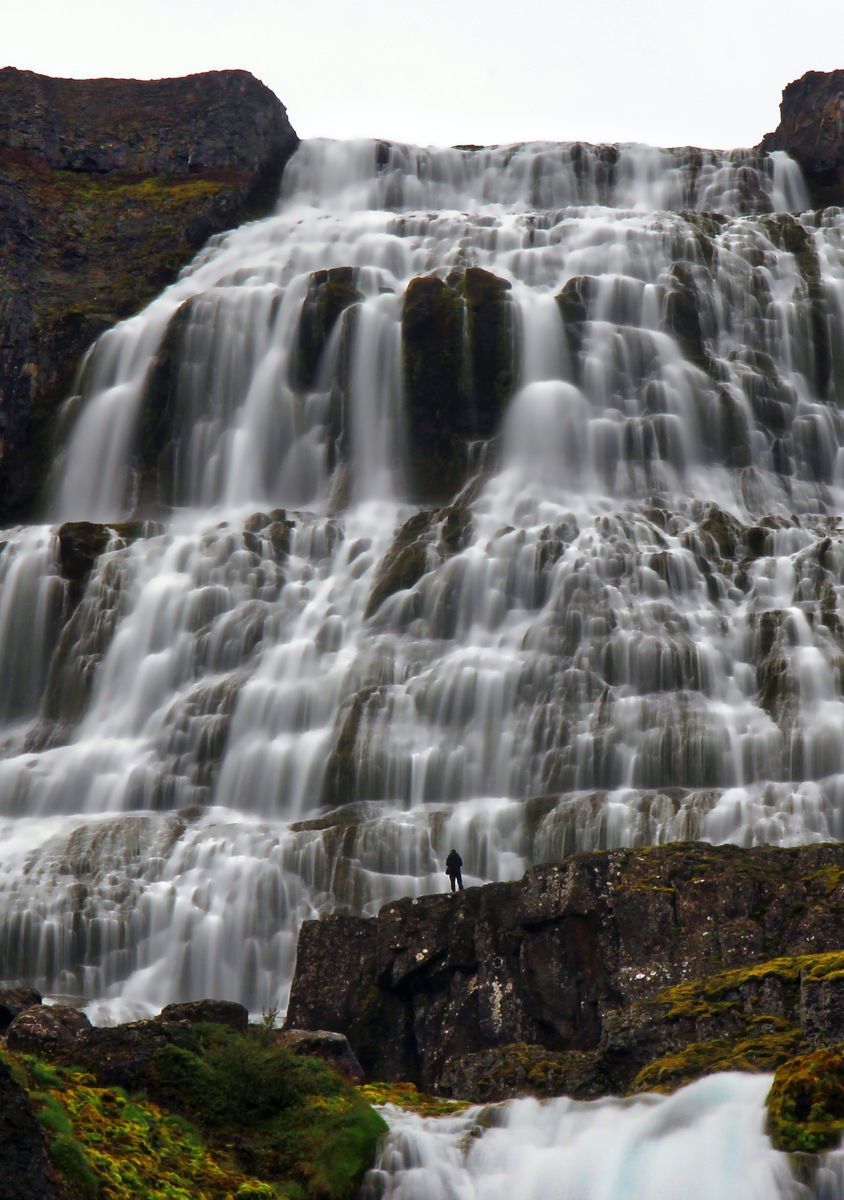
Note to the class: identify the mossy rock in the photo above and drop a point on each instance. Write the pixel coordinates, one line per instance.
(683, 308)
(491, 363)
(238, 1117)
(806, 1102)
(407, 1096)
(330, 293)
(754, 1054)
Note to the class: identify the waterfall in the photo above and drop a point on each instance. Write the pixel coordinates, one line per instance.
(317, 600)
(706, 1142)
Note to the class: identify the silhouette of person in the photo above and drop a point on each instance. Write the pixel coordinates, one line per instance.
(452, 869)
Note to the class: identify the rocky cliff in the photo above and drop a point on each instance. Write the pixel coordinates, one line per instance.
(811, 130)
(107, 188)
(609, 972)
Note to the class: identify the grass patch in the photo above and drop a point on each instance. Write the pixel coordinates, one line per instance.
(239, 1120)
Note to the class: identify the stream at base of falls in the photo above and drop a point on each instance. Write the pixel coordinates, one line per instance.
(705, 1142)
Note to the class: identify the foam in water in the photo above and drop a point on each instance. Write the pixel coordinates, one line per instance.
(706, 1142)
(224, 734)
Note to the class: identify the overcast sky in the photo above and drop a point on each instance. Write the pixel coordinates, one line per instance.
(444, 71)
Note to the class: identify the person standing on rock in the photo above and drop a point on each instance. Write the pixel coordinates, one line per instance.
(453, 865)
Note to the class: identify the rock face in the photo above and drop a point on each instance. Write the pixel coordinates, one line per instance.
(107, 187)
(25, 1171)
(586, 960)
(811, 129)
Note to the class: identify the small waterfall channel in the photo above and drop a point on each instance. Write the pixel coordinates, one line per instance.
(476, 497)
(706, 1142)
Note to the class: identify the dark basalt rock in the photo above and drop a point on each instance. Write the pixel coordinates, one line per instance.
(589, 963)
(47, 1030)
(811, 129)
(14, 1001)
(330, 293)
(332, 1048)
(25, 1170)
(107, 188)
(573, 303)
(458, 373)
(122, 1055)
(214, 1012)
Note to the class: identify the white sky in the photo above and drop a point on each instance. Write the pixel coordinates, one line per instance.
(706, 72)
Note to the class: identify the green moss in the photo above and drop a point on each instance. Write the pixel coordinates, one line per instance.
(704, 997)
(754, 1054)
(72, 1162)
(240, 1119)
(405, 1095)
(806, 1102)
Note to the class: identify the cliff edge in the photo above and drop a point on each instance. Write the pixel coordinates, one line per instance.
(107, 188)
(611, 972)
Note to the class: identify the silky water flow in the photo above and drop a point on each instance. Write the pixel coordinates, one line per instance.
(232, 723)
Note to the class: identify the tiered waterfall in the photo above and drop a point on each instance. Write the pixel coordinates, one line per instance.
(485, 497)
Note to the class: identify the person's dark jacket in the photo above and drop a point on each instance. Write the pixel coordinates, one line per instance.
(453, 863)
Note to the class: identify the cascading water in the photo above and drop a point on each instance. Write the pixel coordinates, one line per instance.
(626, 629)
(706, 1142)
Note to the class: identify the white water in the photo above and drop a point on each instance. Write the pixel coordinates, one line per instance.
(706, 1142)
(584, 673)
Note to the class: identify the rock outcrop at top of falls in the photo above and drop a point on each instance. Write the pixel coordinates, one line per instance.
(107, 188)
(629, 970)
(811, 130)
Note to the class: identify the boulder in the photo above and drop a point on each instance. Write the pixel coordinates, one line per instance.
(332, 1048)
(212, 1012)
(25, 1170)
(15, 1000)
(49, 1030)
(122, 1055)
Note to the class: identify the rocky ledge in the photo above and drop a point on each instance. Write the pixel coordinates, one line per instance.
(609, 973)
(107, 188)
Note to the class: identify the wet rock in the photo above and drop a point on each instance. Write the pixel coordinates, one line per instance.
(684, 308)
(332, 1048)
(435, 385)
(405, 562)
(47, 1029)
(573, 302)
(342, 783)
(25, 1170)
(811, 129)
(490, 336)
(458, 373)
(215, 1012)
(82, 542)
(330, 293)
(14, 1001)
